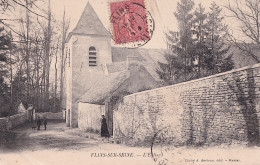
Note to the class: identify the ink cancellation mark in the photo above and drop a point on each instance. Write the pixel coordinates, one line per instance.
(161, 147)
(132, 24)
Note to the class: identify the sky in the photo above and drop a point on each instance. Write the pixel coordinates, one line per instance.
(161, 11)
(162, 14)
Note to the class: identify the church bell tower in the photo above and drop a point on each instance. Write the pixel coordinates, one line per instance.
(88, 52)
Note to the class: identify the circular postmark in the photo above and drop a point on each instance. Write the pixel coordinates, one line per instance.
(132, 24)
(162, 146)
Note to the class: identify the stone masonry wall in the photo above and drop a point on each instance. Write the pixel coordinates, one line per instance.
(7, 123)
(222, 108)
(90, 116)
(50, 115)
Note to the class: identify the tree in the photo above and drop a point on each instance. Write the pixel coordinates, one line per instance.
(38, 48)
(27, 48)
(173, 71)
(65, 27)
(10, 5)
(180, 43)
(19, 88)
(219, 61)
(247, 13)
(199, 48)
(50, 44)
(11, 61)
(184, 16)
(5, 42)
(199, 29)
(48, 35)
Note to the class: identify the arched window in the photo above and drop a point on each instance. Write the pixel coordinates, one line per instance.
(92, 56)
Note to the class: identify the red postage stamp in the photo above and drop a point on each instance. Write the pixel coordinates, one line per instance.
(130, 22)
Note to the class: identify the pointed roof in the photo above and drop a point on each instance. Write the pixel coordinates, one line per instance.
(89, 23)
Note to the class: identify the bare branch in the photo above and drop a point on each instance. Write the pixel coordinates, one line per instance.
(29, 9)
(248, 16)
(9, 26)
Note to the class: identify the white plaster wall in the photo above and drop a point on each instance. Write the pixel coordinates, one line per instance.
(81, 76)
(68, 78)
(89, 117)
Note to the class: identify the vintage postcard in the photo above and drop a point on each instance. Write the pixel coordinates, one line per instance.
(133, 82)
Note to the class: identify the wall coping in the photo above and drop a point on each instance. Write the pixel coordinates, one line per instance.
(48, 112)
(200, 79)
(19, 114)
(91, 103)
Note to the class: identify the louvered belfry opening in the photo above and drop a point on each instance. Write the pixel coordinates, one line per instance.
(92, 56)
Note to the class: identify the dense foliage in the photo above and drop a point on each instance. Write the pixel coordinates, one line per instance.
(199, 48)
(31, 43)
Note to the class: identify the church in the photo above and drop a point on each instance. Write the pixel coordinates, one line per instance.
(95, 70)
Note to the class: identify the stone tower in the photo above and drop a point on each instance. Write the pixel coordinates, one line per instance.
(88, 52)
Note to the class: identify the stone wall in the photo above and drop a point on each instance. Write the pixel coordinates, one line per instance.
(10, 122)
(3, 123)
(222, 108)
(18, 119)
(90, 116)
(50, 115)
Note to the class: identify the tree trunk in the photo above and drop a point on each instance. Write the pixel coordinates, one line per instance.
(62, 58)
(65, 28)
(27, 50)
(37, 76)
(11, 79)
(56, 81)
(47, 71)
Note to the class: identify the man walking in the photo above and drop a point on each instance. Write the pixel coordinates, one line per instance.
(45, 122)
(38, 123)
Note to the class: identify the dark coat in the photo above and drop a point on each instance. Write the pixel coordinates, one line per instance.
(104, 130)
(39, 122)
(45, 121)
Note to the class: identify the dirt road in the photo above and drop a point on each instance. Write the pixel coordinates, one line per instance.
(62, 145)
(57, 136)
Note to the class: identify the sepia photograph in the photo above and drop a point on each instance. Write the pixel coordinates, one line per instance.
(129, 82)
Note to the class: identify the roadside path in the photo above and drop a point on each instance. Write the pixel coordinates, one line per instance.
(62, 145)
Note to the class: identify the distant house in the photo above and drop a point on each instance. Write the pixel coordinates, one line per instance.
(96, 71)
(21, 108)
